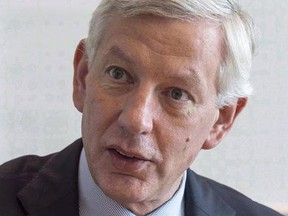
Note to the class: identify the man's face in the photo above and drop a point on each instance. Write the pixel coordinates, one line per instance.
(149, 105)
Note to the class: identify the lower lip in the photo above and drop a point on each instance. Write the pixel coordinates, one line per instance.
(126, 164)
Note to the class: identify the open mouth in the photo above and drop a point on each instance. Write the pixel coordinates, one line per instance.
(124, 154)
(127, 162)
(127, 154)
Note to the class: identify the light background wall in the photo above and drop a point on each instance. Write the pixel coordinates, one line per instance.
(37, 42)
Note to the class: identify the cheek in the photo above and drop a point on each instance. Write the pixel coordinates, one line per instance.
(190, 150)
(183, 139)
(94, 124)
(178, 150)
(98, 109)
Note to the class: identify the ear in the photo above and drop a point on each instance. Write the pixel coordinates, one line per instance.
(224, 123)
(80, 73)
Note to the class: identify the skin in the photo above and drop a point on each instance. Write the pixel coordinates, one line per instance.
(150, 94)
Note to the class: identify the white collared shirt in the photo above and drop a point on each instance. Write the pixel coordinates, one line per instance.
(92, 201)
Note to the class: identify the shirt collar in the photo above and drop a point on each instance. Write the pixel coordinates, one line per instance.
(92, 201)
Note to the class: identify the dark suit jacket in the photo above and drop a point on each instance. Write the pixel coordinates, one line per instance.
(47, 186)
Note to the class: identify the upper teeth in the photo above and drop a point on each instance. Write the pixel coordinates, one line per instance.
(120, 152)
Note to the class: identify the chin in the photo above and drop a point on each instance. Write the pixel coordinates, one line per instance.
(126, 190)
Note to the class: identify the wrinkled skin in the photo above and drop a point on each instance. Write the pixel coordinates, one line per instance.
(148, 104)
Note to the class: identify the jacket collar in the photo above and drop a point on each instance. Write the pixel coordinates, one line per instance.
(202, 200)
(55, 187)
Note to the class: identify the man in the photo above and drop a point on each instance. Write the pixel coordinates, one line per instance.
(156, 82)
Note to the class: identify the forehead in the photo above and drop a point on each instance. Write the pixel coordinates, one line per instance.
(166, 35)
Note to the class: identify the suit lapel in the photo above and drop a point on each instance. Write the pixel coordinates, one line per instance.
(54, 189)
(201, 200)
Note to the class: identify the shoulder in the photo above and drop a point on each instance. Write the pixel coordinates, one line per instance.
(14, 175)
(25, 179)
(17, 172)
(25, 165)
(241, 204)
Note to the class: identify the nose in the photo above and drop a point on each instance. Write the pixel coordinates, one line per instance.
(136, 117)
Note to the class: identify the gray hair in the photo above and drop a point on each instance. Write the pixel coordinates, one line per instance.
(234, 70)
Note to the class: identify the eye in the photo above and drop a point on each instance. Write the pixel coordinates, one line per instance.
(119, 74)
(177, 94)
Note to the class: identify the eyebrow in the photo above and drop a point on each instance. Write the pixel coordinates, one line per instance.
(190, 78)
(119, 53)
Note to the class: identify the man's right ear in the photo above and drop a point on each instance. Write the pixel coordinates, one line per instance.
(80, 73)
